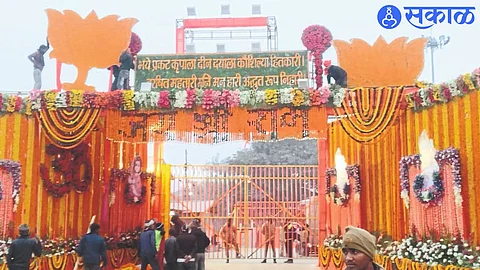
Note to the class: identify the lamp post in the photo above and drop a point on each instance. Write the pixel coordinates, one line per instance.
(433, 44)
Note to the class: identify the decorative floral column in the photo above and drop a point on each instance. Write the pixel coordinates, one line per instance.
(317, 39)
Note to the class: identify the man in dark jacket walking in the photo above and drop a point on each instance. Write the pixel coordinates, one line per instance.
(21, 250)
(92, 249)
(186, 247)
(202, 243)
(147, 247)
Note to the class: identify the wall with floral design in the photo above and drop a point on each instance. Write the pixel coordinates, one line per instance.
(454, 124)
(382, 207)
(65, 211)
(343, 203)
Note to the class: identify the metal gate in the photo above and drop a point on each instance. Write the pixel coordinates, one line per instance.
(249, 195)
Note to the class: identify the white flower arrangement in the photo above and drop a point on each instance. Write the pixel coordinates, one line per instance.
(443, 252)
(338, 96)
(180, 99)
(454, 89)
(406, 198)
(424, 92)
(61, 100)
(244, 97)
(286, 95)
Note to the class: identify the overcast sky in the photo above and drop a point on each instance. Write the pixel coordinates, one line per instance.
(23, 27)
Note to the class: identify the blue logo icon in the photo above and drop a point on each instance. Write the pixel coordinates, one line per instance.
(389, 17)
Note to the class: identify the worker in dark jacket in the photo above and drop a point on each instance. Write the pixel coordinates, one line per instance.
(147, 248)
(202, 243)
(21, 250)
(92, 249)
(170, 250)
(186, 247)
(126, 63)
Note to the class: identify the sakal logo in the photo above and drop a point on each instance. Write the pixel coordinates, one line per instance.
(389, 16)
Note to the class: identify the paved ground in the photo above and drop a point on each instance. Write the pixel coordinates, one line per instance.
(254, 264)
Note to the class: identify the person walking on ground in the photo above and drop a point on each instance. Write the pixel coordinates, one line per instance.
(268, 230)
(160, 243)
(358, 249)
(186, 247)
(147, 248)
(38, 64)
(171, 250)
(202, 243)
(229, 236)
(21, 249)
(92, 249)
(126, 63)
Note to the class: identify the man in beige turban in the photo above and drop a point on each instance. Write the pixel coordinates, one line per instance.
(359, 249)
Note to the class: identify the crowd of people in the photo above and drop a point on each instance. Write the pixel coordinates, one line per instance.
(185, 247)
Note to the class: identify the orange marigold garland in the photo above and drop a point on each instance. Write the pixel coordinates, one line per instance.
(369, 112)
(67, 127)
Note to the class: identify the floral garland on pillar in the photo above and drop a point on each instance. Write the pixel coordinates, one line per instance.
(449, 156)
(117, 174)
(341, 197)
(14, 169)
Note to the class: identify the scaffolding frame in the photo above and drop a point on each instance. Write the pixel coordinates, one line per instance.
(249, 28)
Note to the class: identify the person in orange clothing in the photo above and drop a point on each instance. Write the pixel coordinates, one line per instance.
(268, 230)
(229, 236)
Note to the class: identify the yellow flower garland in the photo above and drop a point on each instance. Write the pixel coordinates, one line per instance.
(76, 98)
(128, 103)
(467, 79)
(28, 107)
(12, 101)
(50, 98)
(436, 93)
(271, 96)
(298, 98)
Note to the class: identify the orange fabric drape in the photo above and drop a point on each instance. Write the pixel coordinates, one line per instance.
(444, 218)
(437, 121)
(124, 216)
(345, 215)
(381, 208)
(68, 216)
(18, 142)
(379, 166)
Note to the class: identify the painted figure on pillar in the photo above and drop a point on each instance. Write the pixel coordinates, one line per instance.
(135, 180)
